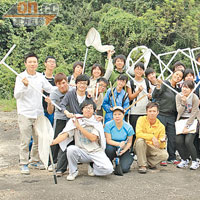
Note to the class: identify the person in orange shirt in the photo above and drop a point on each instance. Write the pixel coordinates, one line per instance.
(150, 139)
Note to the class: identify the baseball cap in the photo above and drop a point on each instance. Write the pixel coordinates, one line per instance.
(118, 108)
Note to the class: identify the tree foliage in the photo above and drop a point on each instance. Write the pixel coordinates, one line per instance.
(162, 26)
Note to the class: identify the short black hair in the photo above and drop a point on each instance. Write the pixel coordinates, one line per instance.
(102, 79)
(49, 57)
(87, 102)
(176, 64)
(151, 105)
(82, 77)
(149, 70)
(123, 77)
(139, 64)
(198, 56)
(121, 56)
(188, 71)
(189, 84)
(77, 63)
(30, 55)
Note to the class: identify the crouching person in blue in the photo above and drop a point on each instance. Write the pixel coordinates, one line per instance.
(119, 134)
(89, 143)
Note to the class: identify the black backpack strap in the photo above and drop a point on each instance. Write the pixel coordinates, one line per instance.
(124, 98)
(110, 95)
(69, 78)
(147, 84)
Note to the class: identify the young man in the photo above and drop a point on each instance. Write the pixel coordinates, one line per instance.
(97, 96)
(50, 64)
(60, 120)
(89, 143)
(72, 100)
(29, 108)
(136, 88)
(111, 73)
(150, 139)
(120, 96)
(150, 74)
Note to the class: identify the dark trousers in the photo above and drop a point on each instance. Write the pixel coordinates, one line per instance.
(133, 121)
(185, 146)
(169, 123)
(197, 144)
(62, 159)
(59, 124)
(126, 159)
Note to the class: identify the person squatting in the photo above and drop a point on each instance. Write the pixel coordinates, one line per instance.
(137, 118)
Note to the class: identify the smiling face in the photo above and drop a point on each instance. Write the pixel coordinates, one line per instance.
(121, 83)
(31, 65)
(189, 77)
(186, 91)
(62, 86)
(139, 72)
(78, 70)
(118, 116)
(81, 86)
(177, 76)
(119, 63)
(102, 87)
(88, 111)
(152, 77)
(96, 73)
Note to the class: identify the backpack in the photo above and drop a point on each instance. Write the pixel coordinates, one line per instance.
(69, 78)
(123, 99)
(134, 86)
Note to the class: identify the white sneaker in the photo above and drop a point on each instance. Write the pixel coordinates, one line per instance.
(195, 165)
(183, 163)
(37, 165)
(90, 171)
(50, 168)
(71, 177)
(25, 169)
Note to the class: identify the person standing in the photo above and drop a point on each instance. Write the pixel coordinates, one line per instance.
(29, 108)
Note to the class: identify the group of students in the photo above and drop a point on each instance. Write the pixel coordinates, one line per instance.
(140, 116)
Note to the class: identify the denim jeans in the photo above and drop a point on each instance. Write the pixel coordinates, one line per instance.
(126, 159)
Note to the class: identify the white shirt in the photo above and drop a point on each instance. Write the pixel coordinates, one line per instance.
(29, 101)
(140, 107)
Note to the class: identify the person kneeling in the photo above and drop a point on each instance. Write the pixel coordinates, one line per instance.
(89, 143)
(119, 136)
(150, 139)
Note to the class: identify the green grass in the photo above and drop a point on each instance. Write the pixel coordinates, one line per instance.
(7, 105)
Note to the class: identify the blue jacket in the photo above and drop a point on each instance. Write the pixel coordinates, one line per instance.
(108, 102)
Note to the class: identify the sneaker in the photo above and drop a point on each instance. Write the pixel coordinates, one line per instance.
(142, 170)
(50, 168)
(37, 165)
(90, 171)
(195, 165)
(71, 177)
(183, 164)
(175, 162)
(163, 163)
(25, 170)
(59, 173)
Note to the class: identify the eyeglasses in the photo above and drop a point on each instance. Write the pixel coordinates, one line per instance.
(88, 107)
(103, 86)
(82, 83)
(51, 61)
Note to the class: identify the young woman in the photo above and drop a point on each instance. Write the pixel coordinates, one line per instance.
(166, 98)
(96, 72)
(119, 134)
(188, 108)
